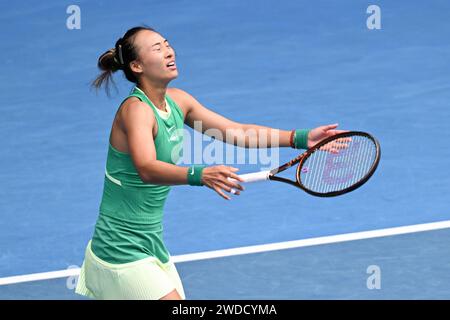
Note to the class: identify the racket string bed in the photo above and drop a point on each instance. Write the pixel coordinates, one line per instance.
(325, 172)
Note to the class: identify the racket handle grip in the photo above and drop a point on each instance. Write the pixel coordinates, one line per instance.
(252, 177)
(255, 176)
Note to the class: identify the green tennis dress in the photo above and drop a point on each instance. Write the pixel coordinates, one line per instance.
(129, 226)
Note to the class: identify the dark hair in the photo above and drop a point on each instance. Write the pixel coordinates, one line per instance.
(118, 58)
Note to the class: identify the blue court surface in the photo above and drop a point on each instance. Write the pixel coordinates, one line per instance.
(283, 64)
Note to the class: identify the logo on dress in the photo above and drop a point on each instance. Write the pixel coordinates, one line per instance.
(174, 135)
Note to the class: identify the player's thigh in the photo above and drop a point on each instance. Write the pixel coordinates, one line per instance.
(173, 295)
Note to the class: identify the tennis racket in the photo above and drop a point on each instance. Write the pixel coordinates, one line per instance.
(334, 166)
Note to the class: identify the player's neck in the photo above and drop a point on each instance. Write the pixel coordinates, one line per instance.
(156, 94)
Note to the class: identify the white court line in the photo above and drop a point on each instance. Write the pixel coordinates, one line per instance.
(253, 249)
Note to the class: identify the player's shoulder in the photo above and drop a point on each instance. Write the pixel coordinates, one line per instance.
(181, 97)
(134, 110)
(134, 105)
(179, 93)
(176, 91)
(132, 101)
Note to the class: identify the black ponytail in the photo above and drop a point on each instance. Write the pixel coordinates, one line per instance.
(118, 58)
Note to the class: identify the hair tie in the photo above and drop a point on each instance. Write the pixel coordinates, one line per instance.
(118, 53)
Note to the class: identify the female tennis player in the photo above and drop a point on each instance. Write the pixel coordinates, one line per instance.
(126, 257)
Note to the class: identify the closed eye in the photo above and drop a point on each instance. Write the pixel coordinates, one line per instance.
(157, 46)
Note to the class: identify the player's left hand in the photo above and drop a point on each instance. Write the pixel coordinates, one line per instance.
(318, 134)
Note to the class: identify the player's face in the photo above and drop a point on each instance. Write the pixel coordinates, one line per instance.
(156, 58)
